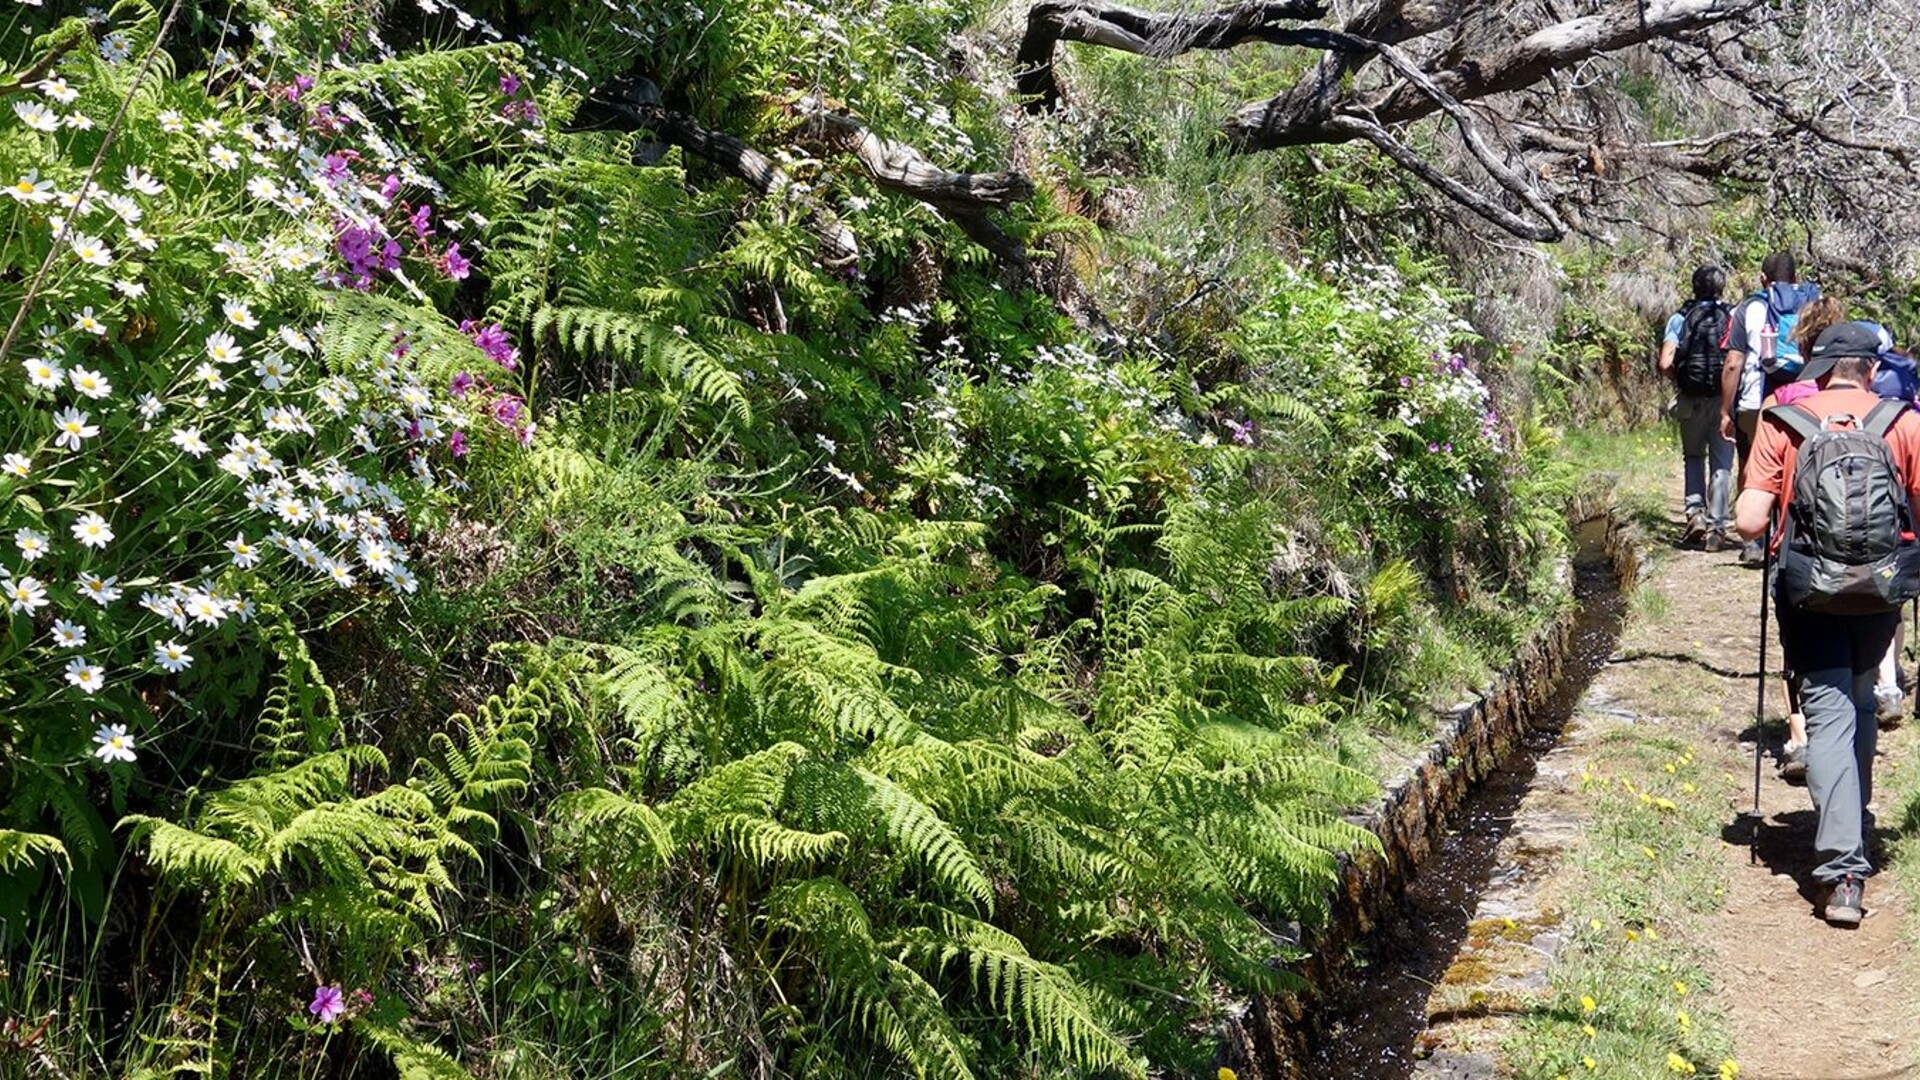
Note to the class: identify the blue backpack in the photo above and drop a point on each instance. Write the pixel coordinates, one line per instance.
(1783, 303)
(1898, 377)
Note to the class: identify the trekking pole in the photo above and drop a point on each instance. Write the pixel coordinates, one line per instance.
(1760, 696)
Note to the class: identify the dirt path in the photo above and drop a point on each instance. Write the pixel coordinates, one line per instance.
(1800, 1000)
(1803, 1000)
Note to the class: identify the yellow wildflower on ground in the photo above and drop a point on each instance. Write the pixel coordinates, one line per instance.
(1589, 1062)
(1592, 1032)
(1587, 1004)
(1678, 1064)
(1651, 854)
(1685, 1021)
(1680, 988)
(1227, 1074)
(1729, 1070)
(1633, 935)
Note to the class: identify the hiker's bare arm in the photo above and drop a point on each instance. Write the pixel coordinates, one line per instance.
(1730, 389)
(1751, 512)
(1666, 358)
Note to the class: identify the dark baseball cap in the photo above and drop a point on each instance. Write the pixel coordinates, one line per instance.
(1847, 339)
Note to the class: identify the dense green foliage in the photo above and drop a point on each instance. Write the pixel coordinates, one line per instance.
(806, 673)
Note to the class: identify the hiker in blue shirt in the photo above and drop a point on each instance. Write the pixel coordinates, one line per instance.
(1762, 357)
(1693, 355)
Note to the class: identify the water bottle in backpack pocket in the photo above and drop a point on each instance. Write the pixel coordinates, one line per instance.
(1779, 352)
(1849, 545)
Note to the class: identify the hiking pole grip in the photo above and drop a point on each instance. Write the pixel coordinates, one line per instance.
(1760, 681)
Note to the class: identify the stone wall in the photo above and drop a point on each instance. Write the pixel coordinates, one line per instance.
(1269, 1040)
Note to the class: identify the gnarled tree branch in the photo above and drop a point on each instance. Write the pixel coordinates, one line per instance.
(1116, 26)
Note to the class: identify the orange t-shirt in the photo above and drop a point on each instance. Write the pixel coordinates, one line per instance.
(1770, 465)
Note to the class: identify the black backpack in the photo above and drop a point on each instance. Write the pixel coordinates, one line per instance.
(1849, 546)
(1699, 356)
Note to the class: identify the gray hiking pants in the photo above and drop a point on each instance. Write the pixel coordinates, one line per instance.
(1838, 657)
(1708, 457)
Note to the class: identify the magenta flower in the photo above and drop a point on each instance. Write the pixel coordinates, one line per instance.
(508, 410)
(1242, 431)
(327, 1003)
(390, 187)
(333, 169)
(300, 85)
(457, 443)
(421, 220)
(458, 266)
(493, 340)
(462, 383)
(509, 85)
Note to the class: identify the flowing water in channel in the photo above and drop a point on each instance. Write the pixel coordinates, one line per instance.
(1370, 1028)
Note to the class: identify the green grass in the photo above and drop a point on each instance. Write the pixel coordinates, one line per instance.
(1627, 991)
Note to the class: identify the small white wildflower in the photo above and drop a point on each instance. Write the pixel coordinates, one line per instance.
(86, 323)
(89, 383)
(244, 554)
(32, 544)
(115, 743)
(23, 594)
(17, 465)
(239, 314)
(92, 530)
(223, 158)
(43, 373)
(73, 428)
(68, 635)
(36, 116)
(57, 89)
(89, 678)
(100, 590)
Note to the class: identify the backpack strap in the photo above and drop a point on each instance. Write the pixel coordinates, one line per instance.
(1884, 415)
(1801, 420)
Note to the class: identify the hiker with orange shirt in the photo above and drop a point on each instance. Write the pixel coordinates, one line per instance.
(1836, 474)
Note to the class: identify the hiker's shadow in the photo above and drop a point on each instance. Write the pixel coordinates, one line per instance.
(1784, 846)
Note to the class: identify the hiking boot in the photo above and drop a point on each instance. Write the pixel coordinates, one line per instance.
(1793, 763)
(1715, 541)
(1695, 529)
(1752, 555)
(1846, 904)
(1888, 704)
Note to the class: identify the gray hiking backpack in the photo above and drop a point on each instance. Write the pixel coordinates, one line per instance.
(1849, 546)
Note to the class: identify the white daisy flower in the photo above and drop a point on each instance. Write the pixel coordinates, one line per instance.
(138, 179)
(73, 428)
(123, 207)
(263, 187)
(89, 383)
(92, 530)
(292, 511)
(43, 373)
(221, 347)
(132, 290)
(36, 116)
(172, 123)
(100, 590)
(203, 608)
(32, 544)
(68, 635)
(340, 572)
(86, 323)
(31, 189)
(151, 406)
(57, 89)
(210, 375)
(223, 159)
(23, 594)
(235, 464)
(91, 250)
(239, 314)
(296, 340)
(402, 580)
(141, 239)
(189, 441)
(78, 121)
(115, 48)
(89, 678)
(244, 554)
(17, 465)
(115, 743)
(377, 555)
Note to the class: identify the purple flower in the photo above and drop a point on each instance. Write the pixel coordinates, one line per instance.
(458, 265)
(1242, 431)
(421, 220)
(1433, 448)
(333, 169)
(493, 340)
(509, 85)
(1405, 382)
(508, 410)
(413, 429)
(457, 443)
(327, 1004)
(390, 255)
(1446, 448)
(462, 383)
(389, 187)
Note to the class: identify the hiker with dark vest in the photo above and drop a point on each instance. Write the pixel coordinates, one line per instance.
(1692, 355)
(1842, 469)
(1762, 356)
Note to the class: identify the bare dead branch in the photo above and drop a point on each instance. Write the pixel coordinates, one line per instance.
(1143, 33)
